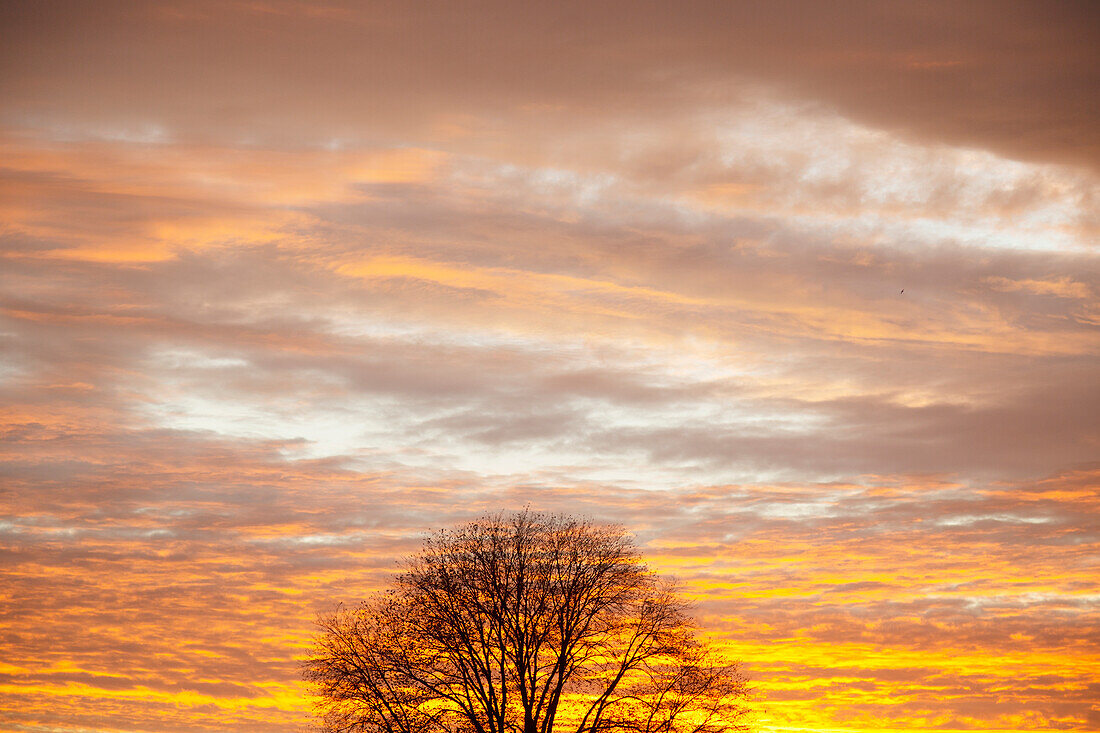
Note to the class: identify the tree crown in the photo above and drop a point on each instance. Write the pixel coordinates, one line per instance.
(523, 623)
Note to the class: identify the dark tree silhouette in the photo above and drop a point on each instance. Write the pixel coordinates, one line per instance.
(523, 623)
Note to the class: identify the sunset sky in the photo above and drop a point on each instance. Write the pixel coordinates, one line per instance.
(804, 295)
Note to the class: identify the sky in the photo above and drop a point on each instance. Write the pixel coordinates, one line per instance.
(806, 296)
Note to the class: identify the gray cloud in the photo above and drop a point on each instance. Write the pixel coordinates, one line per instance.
(1013, 77)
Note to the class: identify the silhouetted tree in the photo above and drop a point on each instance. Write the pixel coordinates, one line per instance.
(523, 623)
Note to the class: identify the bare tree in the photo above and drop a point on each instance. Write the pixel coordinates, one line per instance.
(523, 623)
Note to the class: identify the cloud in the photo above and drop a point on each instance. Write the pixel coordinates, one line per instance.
(179, 572)
(1011, 78)
(804, 298)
